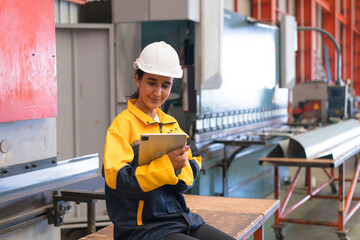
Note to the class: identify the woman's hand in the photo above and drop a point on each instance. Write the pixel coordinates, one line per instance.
(179, 157)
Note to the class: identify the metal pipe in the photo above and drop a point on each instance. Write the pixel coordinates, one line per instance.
(352, 211)
(352, 187)
(225, 173)
(310, 222)
(91, 217)
(321, 187)
(291, 189)
(337, 47)
(333, 197)
(236, 9)
(341, 198)
(326, 197)
(328, 174)
(296, 205)
(308, 180)
(278, 212)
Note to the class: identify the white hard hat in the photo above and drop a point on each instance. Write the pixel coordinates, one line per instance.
(161, 59)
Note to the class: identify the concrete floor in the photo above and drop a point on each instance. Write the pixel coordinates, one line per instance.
(319, 209)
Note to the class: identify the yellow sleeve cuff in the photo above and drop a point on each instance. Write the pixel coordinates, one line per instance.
(187, 175)
(158, 173)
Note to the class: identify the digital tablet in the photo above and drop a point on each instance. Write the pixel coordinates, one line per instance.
(154, 145)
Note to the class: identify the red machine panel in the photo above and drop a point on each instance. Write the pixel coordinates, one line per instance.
(28, 87)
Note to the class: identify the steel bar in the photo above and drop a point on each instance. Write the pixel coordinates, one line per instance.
(22, 220)
(291, 189)
(23, 224)
(290, 130)
(273, 134)
(346, 179)
(309, 222)
(341, 198)
(326, 197)
(91, 221)
(352, 211)
(328, 174)
(295, 205)
(352, 187)
(226, 163)
(350, 180)
(247, 181)
(63, 169)
(225, 172)
(321, 187)
(278, 212)
(308, 180)
(84, 194)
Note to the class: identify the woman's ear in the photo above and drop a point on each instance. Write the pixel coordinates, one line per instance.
(137, 80)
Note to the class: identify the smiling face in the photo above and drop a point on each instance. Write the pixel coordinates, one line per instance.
(153, 92)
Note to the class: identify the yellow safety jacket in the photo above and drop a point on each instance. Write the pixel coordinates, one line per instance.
(146, 202)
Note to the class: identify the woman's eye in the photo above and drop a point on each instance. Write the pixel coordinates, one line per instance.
(151, 83)
(165, 86)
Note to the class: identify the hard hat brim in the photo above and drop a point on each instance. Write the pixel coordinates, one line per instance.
(175, 73)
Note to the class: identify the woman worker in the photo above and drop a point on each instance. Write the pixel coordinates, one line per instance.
(146, 202)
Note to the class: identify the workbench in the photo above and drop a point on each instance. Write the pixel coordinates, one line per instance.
(238, 217)
(344, 210)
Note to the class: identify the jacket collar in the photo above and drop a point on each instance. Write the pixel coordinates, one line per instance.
(164, 118)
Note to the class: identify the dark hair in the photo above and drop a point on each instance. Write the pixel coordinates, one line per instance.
(135, 95)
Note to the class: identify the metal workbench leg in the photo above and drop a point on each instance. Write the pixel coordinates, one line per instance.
(91, 217)
(308, 180)
(277, 193)
(259, 234)
(341, 220)
(277, 226)
(225, 172)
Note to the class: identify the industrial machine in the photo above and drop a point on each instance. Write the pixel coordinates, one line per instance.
(319, 102)
(31, 175)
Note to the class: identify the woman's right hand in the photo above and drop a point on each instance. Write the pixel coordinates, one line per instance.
(179, 157)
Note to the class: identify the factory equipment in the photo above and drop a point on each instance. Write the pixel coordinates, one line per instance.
(30, 172)
(317, 101)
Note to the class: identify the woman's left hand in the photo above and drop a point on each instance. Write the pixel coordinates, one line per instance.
(179, 157)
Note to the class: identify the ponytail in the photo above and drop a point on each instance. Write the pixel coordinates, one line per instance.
(135, 95)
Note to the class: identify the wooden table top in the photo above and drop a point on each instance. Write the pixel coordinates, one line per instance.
(264, 207)
(238, 217)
